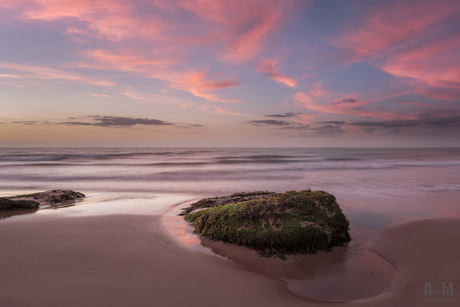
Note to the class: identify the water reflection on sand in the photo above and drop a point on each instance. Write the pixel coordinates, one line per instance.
(346, 273)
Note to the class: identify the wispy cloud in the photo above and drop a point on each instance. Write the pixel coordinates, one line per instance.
(163, 35)
(199, 85)
(49, 73)
(389, 24)
(241, 26)
(420, 44)
(100, 95)
(313, 102)
(196, 82)
(268, 68)
(148, 98)
(9, 76)
(244, 37)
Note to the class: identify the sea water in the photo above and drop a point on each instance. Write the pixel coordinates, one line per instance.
(376, 187)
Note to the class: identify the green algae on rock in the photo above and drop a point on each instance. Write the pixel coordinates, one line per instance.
(273, 224)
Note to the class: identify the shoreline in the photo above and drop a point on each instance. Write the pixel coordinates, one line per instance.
(129, 259)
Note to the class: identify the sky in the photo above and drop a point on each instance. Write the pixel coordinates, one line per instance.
(233, 73)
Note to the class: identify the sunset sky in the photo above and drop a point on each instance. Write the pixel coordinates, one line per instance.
(249, 73)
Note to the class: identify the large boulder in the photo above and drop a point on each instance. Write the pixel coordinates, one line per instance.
(273, 224)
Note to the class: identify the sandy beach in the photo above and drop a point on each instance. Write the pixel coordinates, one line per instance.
(133, 260)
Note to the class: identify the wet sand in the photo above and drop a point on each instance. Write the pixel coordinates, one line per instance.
(132, 260)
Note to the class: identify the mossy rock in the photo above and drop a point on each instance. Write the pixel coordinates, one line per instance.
(273, 224)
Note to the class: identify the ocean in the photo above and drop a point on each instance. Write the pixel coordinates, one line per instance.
(376, 187)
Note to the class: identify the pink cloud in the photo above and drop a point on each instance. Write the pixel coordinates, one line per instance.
(135, 96)
(311, 100)
(439, 93)
(163, 35)
(411, 41)
(198, 84)
(389, 24)
(220, 110)
(306, 116)
(242, 26)
(142, 98)
(268, 67)
(436, 65)
(114, 20)
(48, 73)
(106, 59)
(249, 43)
(319, 91)
(12, 4)
(194, 82)
(9, 76)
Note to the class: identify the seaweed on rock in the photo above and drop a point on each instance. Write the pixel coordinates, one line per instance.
(273, 224)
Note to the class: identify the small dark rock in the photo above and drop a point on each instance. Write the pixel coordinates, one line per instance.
(5, 204)
(8, 204)
(57, 196)
(33, 201)
(25, 204)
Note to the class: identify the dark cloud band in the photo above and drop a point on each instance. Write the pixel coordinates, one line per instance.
(333, 122)
(118, 121)
(288, 114)
(272, 122)
(423, 119)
